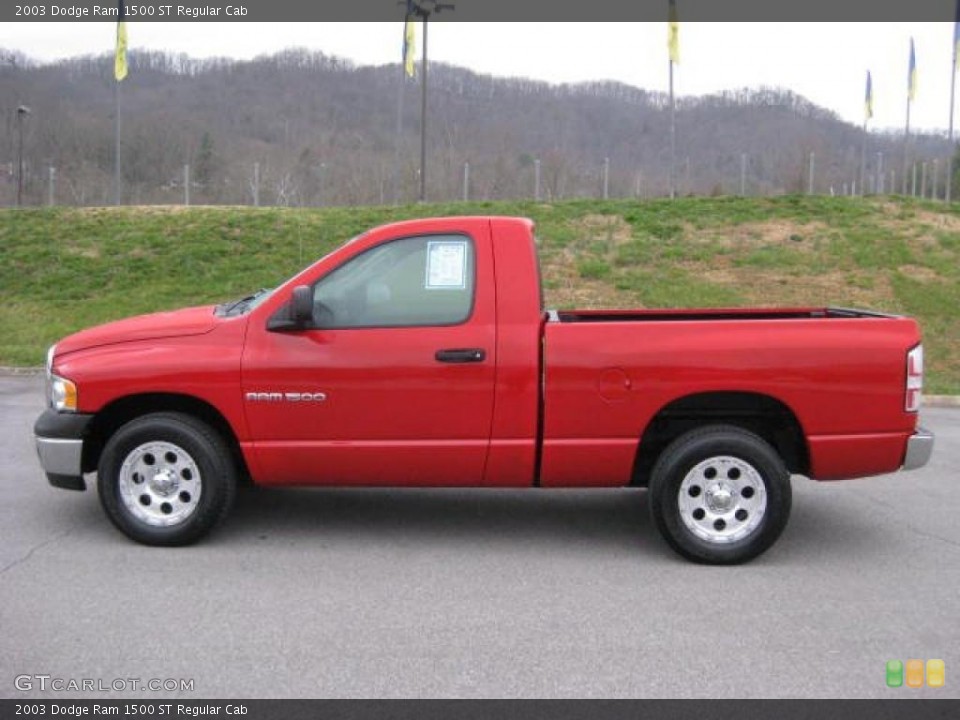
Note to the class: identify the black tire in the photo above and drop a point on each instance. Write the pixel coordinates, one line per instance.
(166, 479)
(706, 499)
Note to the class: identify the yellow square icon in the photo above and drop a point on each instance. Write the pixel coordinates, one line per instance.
(936, 673)
(915, 673)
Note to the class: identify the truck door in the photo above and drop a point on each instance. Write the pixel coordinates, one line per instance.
(394, 384)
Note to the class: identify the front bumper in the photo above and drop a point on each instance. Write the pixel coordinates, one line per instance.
(59, 438)
(919, 449)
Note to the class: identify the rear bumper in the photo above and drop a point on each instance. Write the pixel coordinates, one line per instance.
(59, 439)
(919, 449)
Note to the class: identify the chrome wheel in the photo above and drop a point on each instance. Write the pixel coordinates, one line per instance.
(160, 484)
(722, 500)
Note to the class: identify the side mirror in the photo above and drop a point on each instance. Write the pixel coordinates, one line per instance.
(295, 315)
(301, 307)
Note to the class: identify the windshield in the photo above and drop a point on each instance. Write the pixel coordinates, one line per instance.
(254, 300)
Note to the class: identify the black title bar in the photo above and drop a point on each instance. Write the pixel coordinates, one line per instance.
(141, 709)
(481, 11)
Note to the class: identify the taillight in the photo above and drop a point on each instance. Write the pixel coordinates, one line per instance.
(914, 394)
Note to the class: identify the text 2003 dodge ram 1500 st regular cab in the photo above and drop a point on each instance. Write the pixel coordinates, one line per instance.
(419, 354)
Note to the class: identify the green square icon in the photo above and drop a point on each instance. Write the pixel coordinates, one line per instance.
(894, 673)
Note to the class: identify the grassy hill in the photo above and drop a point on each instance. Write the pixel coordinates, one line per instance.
(65, 269)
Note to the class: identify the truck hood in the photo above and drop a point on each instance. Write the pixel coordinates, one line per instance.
(179, 323)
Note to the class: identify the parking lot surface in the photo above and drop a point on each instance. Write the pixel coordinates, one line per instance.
(453, 593)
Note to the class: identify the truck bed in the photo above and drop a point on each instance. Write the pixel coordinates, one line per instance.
(608, 374)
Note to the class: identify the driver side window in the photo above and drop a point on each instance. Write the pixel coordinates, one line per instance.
(419, 281)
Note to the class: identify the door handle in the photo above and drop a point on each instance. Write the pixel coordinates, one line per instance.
(461, 356)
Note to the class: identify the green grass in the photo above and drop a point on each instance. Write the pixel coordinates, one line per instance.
(65, 269)
(593, 269)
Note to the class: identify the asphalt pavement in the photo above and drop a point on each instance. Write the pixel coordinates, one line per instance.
(452, 593)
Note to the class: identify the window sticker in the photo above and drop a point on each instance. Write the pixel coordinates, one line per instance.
(446, 265)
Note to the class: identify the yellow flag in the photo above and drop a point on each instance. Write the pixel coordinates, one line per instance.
(410, 46)
(673, 38)
(120, 61)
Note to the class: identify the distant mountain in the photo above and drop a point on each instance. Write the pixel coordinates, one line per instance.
(316, 129)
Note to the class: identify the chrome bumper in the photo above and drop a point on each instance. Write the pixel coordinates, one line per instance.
(919, 450)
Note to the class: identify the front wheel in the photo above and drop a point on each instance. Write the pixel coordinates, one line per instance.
(720, 495)
(166, 479)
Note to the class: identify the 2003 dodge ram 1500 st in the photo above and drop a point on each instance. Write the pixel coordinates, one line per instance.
(419, 354)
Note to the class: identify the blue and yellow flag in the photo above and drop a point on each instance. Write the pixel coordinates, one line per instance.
(410, 46)
(673, 33)
(868, 101)
(912, 80)
(120, 61)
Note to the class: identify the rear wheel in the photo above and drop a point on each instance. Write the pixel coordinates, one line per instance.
(720, 495)
(166, 479)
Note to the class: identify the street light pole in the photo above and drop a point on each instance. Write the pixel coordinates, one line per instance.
(423, 9)
(21, 112)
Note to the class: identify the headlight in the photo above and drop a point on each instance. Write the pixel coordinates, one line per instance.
(63, 394)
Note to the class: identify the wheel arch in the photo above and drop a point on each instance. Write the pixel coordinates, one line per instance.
(761, 414)
(122, 410)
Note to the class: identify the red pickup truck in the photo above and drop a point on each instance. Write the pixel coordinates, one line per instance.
(419, 354)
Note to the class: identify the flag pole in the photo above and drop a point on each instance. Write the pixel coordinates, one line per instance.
(911, 90)
(119, 73)
(906, 142)
(399, 136)
(867, 113)
(423, 114)
(673, 138)
(116, 150)
(673, 56)
(953, 90)
(863, 161)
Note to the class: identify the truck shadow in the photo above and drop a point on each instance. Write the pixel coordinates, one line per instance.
(602, 519)
(586, 521)
(826, 525)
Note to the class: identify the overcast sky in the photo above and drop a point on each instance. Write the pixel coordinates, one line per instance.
(825, 62)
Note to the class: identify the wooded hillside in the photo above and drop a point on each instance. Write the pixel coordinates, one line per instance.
(323, 131)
